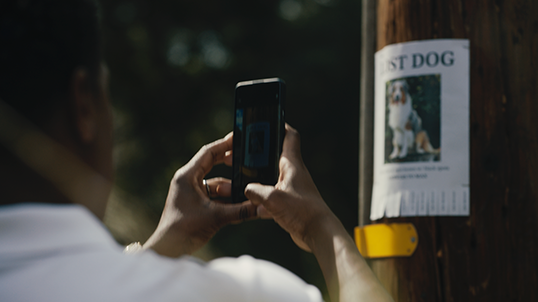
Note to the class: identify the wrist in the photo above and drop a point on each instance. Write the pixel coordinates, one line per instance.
(321, 233)
(170, 245)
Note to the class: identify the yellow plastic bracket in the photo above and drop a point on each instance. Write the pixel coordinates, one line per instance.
(386, 240)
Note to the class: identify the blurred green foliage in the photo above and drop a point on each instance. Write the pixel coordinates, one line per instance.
(174, 65)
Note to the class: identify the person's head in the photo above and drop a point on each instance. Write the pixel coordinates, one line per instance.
(52, 74)
(42, 42)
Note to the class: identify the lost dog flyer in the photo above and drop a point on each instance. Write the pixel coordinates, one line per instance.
(421, 130)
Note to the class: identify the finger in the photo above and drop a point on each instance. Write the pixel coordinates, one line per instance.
(224, 189)
(210, 155)
(219, 187)
(235, 213)
(228, 158)
(291, 148)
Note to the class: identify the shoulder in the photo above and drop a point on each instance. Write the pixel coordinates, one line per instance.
(223, 279)
(73, 258)
(265, 281)
(105, 275)
(110, 276)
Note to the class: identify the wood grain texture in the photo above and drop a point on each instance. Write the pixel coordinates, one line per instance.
(493, 254)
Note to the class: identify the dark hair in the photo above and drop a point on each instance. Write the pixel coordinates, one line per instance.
(42, 42)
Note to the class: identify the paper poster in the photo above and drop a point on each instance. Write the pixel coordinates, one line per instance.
(421, 130)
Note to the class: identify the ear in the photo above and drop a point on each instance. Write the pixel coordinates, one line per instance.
(83, 106)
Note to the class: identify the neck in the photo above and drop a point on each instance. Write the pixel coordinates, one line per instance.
(19, 183)
(37, 168)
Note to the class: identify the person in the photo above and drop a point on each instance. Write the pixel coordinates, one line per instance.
(56, 173)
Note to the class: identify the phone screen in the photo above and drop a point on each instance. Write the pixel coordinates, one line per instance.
(258, 134)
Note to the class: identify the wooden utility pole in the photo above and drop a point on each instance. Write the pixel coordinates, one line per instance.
(492, 255)
(366, 121)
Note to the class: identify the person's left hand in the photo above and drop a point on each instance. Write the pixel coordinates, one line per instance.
(190, 218)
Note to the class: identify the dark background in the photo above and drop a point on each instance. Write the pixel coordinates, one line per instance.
(174, 66)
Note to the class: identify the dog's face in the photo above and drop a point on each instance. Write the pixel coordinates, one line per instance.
(398, 92)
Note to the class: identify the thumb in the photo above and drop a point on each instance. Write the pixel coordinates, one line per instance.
(263, 213)
(258, 193)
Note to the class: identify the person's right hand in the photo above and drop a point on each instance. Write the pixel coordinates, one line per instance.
(296, 205)
(294, 202)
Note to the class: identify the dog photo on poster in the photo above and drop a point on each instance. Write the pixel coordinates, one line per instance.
(412, 119)
(421, 129)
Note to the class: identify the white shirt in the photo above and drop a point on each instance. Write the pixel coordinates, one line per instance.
(63, 253)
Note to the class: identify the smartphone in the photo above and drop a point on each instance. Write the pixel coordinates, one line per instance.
(258, 133)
